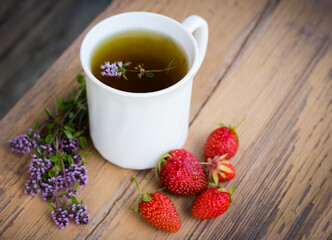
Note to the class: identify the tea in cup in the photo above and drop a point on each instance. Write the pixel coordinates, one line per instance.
(139, 70)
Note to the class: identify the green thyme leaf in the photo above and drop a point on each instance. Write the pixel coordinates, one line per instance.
(53, 158)
(80, 79)
(124, 76)
(126, 64)
(71, 115)
(78, 133)
(149, 74)
(48, 112)
(81, 106)
(51, 207)
(76, 185)
(59, 103)
(86, 154)
(66, 105)
(36, 126)
(38, 151)
(56, 168)
(83, 93)
(83, 142)
(59, 164)
(70, 159)
(50, 125)
(51, 173)
(74, 93)
(73, 200)
(69, 128)
(68, 134)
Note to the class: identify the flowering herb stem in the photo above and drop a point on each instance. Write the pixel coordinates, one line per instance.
(55, 196)
(56, 169)
(118, 69)
(64, 172)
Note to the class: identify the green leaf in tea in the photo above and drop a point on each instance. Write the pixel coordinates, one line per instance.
(149, 74)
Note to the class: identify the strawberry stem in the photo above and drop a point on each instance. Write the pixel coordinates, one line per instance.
(139, 188)
(239, 124)
(162, 160)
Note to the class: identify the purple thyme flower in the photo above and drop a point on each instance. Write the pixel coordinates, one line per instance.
(60, 217)
(77, 173)
(48, 187)
(39, 167)
(47, 191)
(32, 186)
(77, 159)
(70, 145)
(80, 213)
(69, 194)
(23, 144)
(47, 149)
(34, 134)
(111, 70)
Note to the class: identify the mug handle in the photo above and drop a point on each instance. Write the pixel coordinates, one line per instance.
(199, 28)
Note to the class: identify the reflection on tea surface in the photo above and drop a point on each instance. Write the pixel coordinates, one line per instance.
(154, 61)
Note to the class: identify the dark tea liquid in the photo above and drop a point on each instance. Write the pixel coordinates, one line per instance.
(140, 47)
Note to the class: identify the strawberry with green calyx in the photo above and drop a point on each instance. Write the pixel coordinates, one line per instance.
(180, 172)
(212, 203)
(219, 169)
(221, 141)
(158, 210)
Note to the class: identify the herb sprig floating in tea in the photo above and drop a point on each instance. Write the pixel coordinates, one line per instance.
(118, 69)
(57, 169)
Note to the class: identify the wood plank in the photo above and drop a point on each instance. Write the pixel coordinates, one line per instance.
(281, 82)
(33, 36)
(101, 196)
(274, 155)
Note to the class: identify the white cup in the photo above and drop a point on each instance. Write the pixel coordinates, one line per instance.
(133, 130)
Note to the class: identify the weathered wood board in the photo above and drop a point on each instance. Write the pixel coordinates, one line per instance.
(268, 61)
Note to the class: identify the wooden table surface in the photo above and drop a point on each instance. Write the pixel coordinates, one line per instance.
(267, 60)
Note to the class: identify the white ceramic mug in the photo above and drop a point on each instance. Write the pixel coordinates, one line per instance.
(133, 130)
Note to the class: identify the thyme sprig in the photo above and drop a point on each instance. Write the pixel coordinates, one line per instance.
(119, 69)
(57, 169)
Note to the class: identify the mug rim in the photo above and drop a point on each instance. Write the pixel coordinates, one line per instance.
(191, 72)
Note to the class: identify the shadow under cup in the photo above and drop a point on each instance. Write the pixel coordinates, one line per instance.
(133, 130)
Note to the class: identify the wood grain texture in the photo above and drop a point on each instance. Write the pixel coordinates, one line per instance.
(268, 61)
(33, 36)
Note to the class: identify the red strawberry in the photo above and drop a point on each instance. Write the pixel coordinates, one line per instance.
(219, 169)
(221, 141)
(211, 203)
(158, 210)
(180, 172)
